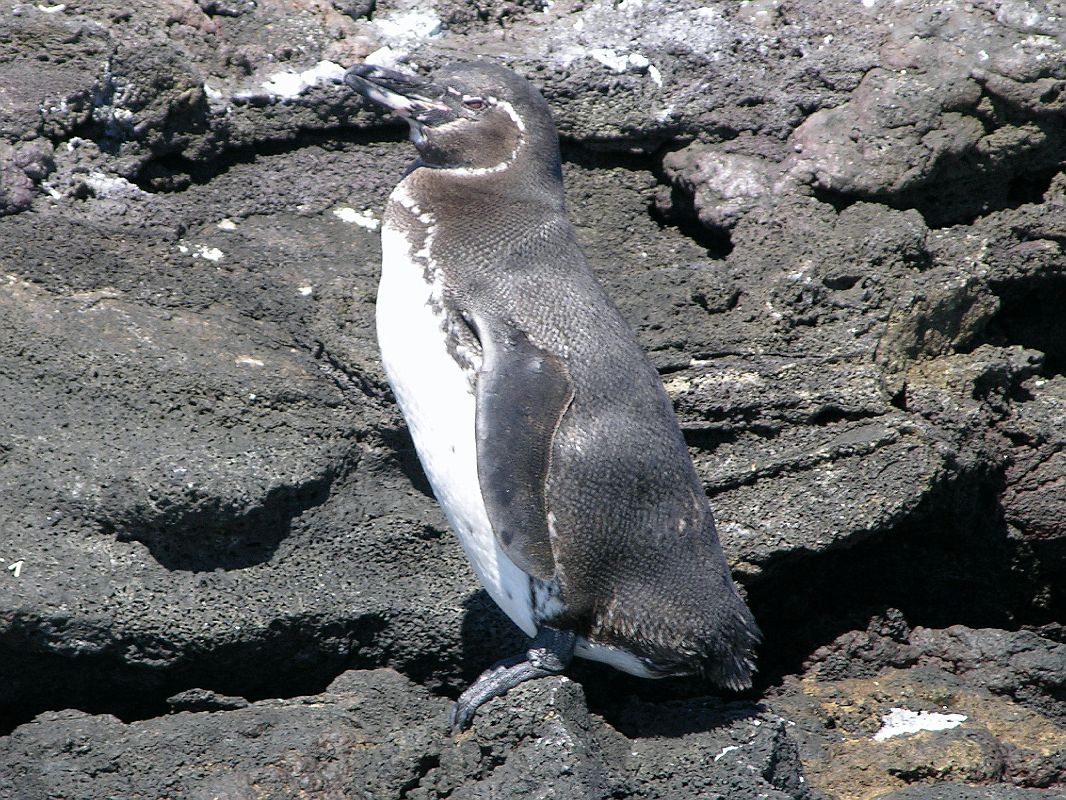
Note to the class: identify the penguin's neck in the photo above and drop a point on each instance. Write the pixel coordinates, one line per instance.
(481, 190)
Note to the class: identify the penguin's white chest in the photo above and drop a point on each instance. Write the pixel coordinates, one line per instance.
(437, 399)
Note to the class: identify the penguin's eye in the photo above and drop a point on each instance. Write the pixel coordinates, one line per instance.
(474, 103)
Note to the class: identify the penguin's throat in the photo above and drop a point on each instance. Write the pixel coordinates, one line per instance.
(417, 226)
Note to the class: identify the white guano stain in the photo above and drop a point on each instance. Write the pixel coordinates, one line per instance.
(727, 749)
(364, 219)
(901, 721)
(289, 85)
(207, 253)
(627, 62)
(405, 26)
(203, 251)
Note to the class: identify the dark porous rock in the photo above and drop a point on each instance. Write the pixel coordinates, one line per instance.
(544, 739)
(370, 735)
(1028, 666)
(1035, 500)
(50, 73)
(539, 738)
(1004, 687)
(1021, 664)
(961, 791)
(204, 700)
(376, 734)
(936, 125)
(839, 231)
(717, 187)
(187, 518)
(865, 737)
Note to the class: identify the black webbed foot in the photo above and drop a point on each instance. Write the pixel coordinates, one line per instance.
(549, 654)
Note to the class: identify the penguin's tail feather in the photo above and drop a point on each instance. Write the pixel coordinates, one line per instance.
(729, 660)
(722, 652)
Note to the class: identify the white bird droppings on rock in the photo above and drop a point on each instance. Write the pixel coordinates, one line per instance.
(385, 57)
(901, 721)
(727, 749)
(209, 253)
(102, 185)
(400, 33)
(289, 85)
(201, 251)
(408, 27)
(637, 61)
(227, 224)
(627, 62)
(610, 59)
(365, 218)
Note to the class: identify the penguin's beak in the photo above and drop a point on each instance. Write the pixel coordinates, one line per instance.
(418, 100)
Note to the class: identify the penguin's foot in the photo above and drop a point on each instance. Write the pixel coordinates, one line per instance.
(549, 654)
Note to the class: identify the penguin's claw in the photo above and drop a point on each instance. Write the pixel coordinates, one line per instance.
(549, 654)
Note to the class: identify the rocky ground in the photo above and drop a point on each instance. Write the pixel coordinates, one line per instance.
(839, 230)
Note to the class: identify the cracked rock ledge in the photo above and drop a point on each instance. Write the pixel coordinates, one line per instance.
(839, 231)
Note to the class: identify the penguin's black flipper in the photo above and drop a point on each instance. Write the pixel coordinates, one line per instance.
(522, 393)
(549, 654)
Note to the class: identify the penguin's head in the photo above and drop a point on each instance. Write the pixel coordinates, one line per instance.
(475, 118)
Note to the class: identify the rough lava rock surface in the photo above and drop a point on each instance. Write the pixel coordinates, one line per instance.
(839, 229)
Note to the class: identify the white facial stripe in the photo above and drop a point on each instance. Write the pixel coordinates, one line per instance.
(517, 121)
(507, 107)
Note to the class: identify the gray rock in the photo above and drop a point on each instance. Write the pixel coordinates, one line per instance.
(16, 189)
(959, 791)
(49, 73)
(837, 229)
(920, 725)
(900, 115)
(940, 111)
(1027, 666)
(375, 734)
(723, 186)
(204, 700)
(1035, 500)
(368, 736)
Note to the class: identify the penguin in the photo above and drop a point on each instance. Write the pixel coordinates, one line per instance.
(546, 434)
